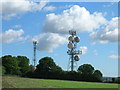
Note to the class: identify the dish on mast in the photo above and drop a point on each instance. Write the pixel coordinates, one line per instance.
(71, 38)
(76, 58)
(77, 39)
(71, 45)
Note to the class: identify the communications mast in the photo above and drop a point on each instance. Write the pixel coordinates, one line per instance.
(34, 49)
(74, 54)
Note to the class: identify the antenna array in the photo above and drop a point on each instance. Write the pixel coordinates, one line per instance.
(73, 40)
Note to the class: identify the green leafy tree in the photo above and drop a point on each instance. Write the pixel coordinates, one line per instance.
(86, 69)
(72, 75)
(46, 64)
(117, 80)
(97, 75)
(89, 74)
(23, 63)
(11, 65)
(31, 68)
(31, 71)
(113, 80)
(3, 70)
(47, 68)
(58, 69)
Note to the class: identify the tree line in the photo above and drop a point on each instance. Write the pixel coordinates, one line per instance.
(47, 69)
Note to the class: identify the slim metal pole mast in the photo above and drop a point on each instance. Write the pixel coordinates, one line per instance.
(34, 45)
(72, 56)
(72, 61)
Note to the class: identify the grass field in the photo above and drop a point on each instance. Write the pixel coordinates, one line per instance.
(18, 82)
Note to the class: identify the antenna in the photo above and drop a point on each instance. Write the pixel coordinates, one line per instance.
(34, 47)
(73, 40)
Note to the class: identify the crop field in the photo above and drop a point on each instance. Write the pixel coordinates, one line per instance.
(18, 82)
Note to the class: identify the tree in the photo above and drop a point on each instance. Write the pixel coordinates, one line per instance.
(31, 68)
(117, 80)
(113, 80)
(31, 71)
(97, 75)
(46, 64)
(86, 69)
(3, 70)
(72, 75)
(89, 74)
(23, 63)
(11, 65)
(47, 68)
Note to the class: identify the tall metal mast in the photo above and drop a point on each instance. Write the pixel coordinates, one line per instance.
(73, 40)
(34, 47)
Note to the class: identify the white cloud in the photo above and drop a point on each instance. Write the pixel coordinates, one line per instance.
(49, 8)
(84, 49)
(8, 16)
(103, 41)
(15, 7)
(11, 36)
(49, 41)
(114, 57)
(109, 32)
(76, 18)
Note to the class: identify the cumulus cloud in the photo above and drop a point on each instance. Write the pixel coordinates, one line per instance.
(76, 18)
(103, 41)
(49, 8)
(84, 49)
(108, 33)
(114, 57)
(49, 41)
(11, 36)
(8, 16)
(15, 7)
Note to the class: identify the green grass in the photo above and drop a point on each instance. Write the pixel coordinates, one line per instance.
(18, 82)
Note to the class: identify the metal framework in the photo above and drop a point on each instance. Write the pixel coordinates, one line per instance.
(73, 40)
(34, 48)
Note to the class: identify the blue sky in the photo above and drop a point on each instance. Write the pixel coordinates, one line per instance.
(95, 23)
